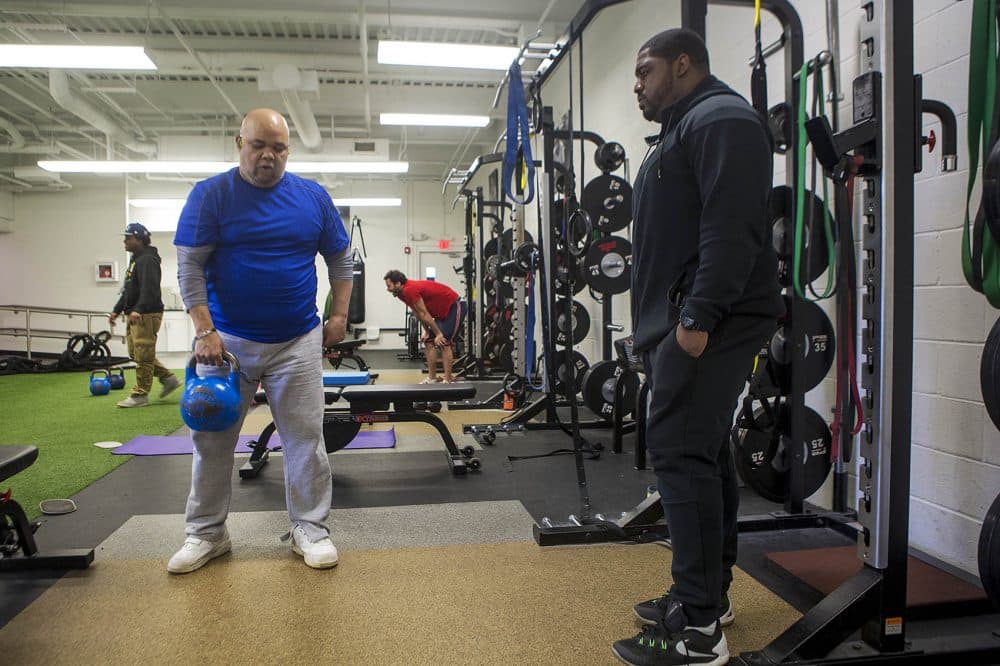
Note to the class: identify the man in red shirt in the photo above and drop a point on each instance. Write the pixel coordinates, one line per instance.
(440, 309)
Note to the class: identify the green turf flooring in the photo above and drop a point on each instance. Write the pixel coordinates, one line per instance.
(56, 413)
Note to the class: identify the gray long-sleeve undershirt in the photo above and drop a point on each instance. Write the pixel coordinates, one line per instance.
(191, 271)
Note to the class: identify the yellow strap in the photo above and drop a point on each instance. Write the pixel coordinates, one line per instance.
(756, 13)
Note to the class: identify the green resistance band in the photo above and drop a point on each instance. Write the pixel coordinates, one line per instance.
(800, 199)
(982, 97)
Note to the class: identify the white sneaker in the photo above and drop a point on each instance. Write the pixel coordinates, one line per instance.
(320, 554)
(134, 401)
(195, 553)
(170, 384)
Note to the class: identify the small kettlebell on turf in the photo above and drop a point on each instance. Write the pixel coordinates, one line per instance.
(100, 385)
(117, 379)
(211, 404)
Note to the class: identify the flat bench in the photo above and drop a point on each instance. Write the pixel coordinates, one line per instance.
(18, 550)
(378, 403)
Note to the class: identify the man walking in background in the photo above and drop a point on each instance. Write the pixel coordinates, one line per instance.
(142, 305)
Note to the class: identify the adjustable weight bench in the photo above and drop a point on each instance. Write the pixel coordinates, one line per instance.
(385, 403)
(18, 550)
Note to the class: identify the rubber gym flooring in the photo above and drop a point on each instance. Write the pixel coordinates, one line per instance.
(434, 568)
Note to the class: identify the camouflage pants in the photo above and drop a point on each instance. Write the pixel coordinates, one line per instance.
(141, 339)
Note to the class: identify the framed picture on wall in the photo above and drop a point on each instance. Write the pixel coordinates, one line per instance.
(106, 271)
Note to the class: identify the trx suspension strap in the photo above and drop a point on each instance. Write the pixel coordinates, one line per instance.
(517, 158)
(980, 255)
(758, 77)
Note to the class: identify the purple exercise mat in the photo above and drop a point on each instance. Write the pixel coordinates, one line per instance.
(165, 445)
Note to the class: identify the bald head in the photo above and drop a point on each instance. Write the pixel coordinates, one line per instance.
(263, 145)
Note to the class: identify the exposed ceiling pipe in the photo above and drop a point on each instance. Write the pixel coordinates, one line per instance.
(16, 138)
(364, 65)
(303, 119)
(61, 93)
(180, 38)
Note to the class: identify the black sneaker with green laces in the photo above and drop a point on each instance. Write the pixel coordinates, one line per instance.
(652, 611)
(671, 642)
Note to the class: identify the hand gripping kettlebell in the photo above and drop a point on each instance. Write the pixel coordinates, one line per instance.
(117, 379)
(99, 385)
(211, 404)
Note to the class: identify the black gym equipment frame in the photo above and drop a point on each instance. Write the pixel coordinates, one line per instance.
(795, 512)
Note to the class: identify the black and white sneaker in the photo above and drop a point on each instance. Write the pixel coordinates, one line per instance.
(671, 642)
(652, 611)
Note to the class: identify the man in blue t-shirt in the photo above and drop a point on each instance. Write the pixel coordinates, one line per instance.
(246, 244)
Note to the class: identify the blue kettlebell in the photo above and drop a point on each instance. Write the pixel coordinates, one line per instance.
(117, 379)
(211, 404)
(100, 385)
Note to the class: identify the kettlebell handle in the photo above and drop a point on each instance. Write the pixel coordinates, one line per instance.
(94, 372)
(228, 357)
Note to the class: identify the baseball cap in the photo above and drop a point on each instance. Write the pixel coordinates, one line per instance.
(137, 230)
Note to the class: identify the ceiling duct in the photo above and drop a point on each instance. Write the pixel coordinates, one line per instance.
(60, 90)
(296, 87)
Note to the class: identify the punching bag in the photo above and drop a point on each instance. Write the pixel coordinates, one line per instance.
(356, 308)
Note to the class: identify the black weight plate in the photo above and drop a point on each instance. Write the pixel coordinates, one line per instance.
(782, 216)
(492, 265)
(607, 266)
(338, 433)
(571, 320)
(777, 119)
(505, 244)
(562, 272)
(769, 478)
(501, 356)
(580, 367)
(989, 553)
(609, 156)
(490, 287)
(599, 389)
(989, 374)
(608, 201)
(818, 344)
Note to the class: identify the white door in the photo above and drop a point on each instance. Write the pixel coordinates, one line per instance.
(444, 264)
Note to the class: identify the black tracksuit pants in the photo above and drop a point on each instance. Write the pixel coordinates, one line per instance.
(690, 412)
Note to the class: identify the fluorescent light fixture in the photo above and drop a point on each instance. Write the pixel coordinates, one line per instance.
(74, 57)
(433, 119)
(368, 202)
(431, 54)
(112, 166)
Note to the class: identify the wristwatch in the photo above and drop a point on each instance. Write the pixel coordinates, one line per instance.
(690, 323)
(204, 334)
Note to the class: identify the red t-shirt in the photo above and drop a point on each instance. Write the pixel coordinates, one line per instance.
(437, 297)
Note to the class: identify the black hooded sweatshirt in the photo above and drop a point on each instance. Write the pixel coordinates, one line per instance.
(701, 236)
(141, 291)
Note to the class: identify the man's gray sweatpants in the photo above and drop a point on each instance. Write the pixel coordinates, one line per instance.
(292, 375)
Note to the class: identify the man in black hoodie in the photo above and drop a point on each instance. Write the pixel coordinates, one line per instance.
(705, 298)
(142, 304)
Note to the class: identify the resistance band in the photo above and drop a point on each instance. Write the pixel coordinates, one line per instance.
(517, 157)
(799, 242)
(981, 260)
